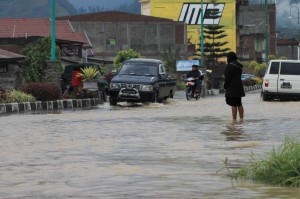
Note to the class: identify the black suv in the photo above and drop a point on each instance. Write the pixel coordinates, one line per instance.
(66, 78)
(141, 80)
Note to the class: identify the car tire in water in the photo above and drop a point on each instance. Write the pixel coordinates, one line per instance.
(155, 98)
(113, 101)
(171, 95)
(266, 97)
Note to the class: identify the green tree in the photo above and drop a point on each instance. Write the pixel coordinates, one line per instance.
(169, 58)
(34, 67)
(213, 47)
(124, 55)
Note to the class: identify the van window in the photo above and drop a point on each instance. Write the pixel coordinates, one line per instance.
(290, 68)
(274, 68)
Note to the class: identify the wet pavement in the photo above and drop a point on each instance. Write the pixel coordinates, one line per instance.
(170, 150)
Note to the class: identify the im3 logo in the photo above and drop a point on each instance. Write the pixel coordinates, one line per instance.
(191, 13)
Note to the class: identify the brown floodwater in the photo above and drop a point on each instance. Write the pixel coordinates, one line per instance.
(170, 150)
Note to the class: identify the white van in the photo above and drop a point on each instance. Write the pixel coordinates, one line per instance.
(282, 80)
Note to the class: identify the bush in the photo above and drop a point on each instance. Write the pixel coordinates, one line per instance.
(249, 82)
(124, 55)
(16, 96)
(258, 80)
(180, 85)
(43, 91)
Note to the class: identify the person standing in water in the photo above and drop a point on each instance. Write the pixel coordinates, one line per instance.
(234, 86)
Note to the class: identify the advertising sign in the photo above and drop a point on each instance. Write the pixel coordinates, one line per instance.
(189, 11)
(185, 65)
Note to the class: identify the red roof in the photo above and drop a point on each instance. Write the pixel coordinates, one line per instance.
(114, 16)
(27, 27)
(9, 55)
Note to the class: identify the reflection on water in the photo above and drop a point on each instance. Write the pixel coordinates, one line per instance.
(234, 132)
(169, 150)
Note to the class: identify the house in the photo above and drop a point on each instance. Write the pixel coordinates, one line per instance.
(113, 31)
(289, 48)
(16, 33)
(9, 69)
(251, 32)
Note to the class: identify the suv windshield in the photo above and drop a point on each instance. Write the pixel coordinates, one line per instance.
(141, 69)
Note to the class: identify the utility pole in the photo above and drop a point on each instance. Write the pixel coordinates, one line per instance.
(53, 55)
(201, 36)
(267, 32)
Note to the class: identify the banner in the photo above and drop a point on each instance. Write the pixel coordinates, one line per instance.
(189, 11)
(186, 65)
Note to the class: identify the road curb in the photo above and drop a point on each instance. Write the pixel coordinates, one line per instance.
(252, 88)
(49, 105)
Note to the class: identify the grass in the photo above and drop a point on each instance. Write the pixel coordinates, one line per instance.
(280, 167)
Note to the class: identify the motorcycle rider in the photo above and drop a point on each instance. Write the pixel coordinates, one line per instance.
(195, 73)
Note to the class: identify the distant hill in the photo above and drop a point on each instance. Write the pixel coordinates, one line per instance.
(88, 6)
(42, 8)
(105, 4)
(34, 8)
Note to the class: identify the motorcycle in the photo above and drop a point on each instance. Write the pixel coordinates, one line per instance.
(190, 86)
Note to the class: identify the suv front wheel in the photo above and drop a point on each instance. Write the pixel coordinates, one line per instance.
(113, 101)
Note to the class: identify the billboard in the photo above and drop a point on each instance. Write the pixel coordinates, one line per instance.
(186, 65)
(189, 11)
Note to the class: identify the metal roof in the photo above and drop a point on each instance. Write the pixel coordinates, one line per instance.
(114, 16)
(10, 55)
(28, 27)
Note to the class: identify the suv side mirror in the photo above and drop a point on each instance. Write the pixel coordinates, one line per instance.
(114, 72)
(162, 75)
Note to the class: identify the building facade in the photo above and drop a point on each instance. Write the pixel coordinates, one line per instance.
(112, 31)
(245, 24)
(189, 11)
(251, 31)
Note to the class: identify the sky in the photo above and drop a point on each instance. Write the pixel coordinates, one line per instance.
(284, 8)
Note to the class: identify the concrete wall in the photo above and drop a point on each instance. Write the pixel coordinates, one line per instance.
(11, 78)
(251, 21)
(291, 52)
(150, 39)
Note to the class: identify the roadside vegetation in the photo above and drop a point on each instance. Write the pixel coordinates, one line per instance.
(34, 67)
(280, 167)
(16, 96)
(124, 55)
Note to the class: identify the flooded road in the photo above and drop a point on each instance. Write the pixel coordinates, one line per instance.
(170, 150)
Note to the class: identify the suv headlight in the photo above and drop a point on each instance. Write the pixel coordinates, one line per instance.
(114, 85)
(146, 87)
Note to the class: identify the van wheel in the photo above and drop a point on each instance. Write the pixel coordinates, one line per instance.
(113, 101)
(266, 97)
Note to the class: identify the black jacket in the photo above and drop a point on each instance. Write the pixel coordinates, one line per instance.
(233, 83)
(195, 74)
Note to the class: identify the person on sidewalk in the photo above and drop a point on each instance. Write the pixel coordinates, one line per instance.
(234, 86)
